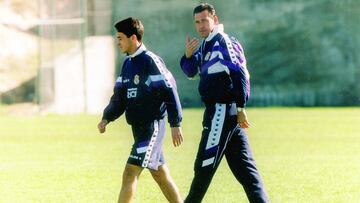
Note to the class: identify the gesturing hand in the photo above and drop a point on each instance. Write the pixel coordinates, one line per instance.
(191, 46)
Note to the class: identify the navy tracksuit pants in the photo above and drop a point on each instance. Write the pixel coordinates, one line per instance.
(222, 136)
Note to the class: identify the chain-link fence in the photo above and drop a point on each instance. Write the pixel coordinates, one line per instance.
(64, 41)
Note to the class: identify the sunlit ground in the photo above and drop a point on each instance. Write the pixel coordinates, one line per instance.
(304, 155)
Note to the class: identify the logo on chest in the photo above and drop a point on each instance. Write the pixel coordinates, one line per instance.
(131, 93)
(207, 56)
(136, 79)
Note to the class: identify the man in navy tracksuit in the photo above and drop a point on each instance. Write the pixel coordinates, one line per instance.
(224, 88)
(145, 91)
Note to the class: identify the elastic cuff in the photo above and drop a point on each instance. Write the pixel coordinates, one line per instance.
(173, 125)
(107, 119)
(240, 109)
(240, 105)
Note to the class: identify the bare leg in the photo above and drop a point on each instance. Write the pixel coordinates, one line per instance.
(129, 182)
(166, 184)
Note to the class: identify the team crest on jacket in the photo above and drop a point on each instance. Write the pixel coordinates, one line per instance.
(136, 79)
(207, 56)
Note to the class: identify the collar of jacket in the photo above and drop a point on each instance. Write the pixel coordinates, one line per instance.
(138, 51)
(217, 29)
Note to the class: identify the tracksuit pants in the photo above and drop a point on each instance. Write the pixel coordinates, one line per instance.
(222, 136)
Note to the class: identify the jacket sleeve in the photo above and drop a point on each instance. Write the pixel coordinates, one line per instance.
(190, 66)
(163, 78)
(232, 56)
(117, 104)
(241, 85)
(172, 101)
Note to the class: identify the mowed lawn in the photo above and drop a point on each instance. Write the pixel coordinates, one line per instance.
(304, 155)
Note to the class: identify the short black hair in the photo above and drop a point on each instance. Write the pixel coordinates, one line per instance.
(204, 6)
(130, 26)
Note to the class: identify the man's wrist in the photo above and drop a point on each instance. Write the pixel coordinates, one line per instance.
(175, 125)
(188, 57)
(239, 109)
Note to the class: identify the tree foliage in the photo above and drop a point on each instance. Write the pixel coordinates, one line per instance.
(299, 52)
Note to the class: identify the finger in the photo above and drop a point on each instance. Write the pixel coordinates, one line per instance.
(187, 39)
(193, 46)
(179, 140)
(194, 42)
(194, 39)
(189, 45)
(245, 124)
(246, 121)
(175, 141)
(194, 49)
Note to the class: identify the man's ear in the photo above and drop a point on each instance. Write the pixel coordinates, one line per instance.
(133, 38)
(216, 20)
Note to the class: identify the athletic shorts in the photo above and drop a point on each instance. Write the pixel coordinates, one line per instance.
(147, 151)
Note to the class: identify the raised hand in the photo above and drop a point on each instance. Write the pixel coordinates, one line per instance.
(191, 46)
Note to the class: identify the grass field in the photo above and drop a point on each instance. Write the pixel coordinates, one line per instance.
(304, 155)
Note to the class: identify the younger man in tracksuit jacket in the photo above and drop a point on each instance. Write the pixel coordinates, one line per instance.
(224, 88)
(145, 91)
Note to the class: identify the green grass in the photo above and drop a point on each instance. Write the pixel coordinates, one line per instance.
(304, 155)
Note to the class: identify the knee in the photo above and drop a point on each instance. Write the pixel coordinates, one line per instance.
(130, 174)
(159, 175)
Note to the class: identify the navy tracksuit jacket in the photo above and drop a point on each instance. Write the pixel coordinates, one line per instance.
(145, 91)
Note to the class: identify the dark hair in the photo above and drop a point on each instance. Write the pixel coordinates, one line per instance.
(204, 6)
(130, 26)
